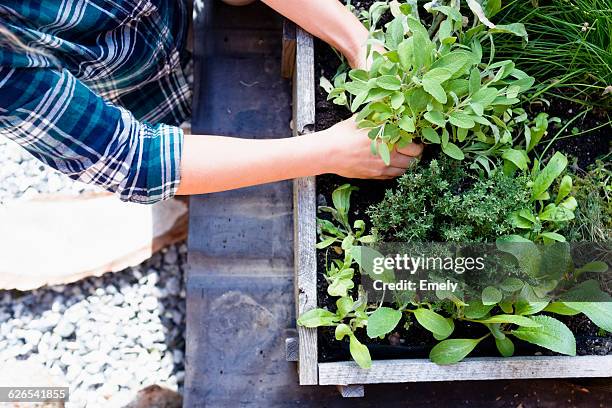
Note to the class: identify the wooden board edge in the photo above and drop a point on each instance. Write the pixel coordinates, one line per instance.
(305, 210)
(481, 368)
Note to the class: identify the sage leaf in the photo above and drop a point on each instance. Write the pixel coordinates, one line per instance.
(430, 135)
(389, 82)
(385, 154)
(517, 157)
(435, 117)
(491, 296)
(505, 346)
(595, 266)
(547, 176)
(461, 120)
(382, 321)
(433, 321)
(435, 89)
(317, 318)
(342, 330)
(452, 351)
(360, 353)
(514, 319)
(552, 334)
(453, 151)
(406, 123)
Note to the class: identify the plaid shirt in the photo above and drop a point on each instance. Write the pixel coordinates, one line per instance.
(102, 103)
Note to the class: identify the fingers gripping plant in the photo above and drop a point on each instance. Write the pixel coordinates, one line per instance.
(434, 85)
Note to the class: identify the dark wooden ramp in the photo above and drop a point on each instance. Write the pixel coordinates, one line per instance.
(240, 279)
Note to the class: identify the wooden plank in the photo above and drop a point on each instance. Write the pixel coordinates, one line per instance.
(305, 210)
(485, 368)
(351, 391)
(289, 48)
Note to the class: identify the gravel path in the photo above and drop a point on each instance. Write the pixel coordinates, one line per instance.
(109, 337)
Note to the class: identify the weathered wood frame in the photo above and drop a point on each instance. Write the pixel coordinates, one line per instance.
(348, 373)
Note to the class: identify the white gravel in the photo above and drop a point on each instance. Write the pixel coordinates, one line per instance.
(22, 176)
(109, 337)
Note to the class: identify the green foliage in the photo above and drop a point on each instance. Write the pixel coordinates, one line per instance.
(443, 202)
(593, 220)
(511, 309)
(546, 217)
(569, 49)
(434, 85)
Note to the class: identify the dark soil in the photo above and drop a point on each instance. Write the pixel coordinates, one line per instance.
(417, 342)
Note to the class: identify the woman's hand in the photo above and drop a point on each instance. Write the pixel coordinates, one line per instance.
(351, 156)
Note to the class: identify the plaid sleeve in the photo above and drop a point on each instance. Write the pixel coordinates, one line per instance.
(64, 124)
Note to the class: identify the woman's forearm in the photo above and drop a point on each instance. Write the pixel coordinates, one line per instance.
(213, 163)
(329, 20)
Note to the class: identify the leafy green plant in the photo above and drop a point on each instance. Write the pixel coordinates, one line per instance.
(443, 202)
(546, 217)
(340, 272)
(593, 220)
(569, 49)
(435, 86)
(510, 310)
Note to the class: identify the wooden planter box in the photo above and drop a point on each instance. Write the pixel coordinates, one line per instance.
(348, 373)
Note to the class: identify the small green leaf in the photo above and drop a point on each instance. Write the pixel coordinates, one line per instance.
(552, 334)
(452, 351)
(517, 29)
(484, 96)
(325, 243)
(430, 135)
(342, 330)
(547, 176)
(435, 117)
(564, 189)
(595, 266)
(514, 319)
(453, 151)
(360, 353)
(344, 306)
(385, 154)
(389, 82)
(397, 99)
(433, 321)
(317, 318)
(474, 84)
(461, 120)
(438, 75)
(511, 284)
(561, 308)
(476, 310)
(491, 296)
(382, 321)
(406, 123)
(435, 89)
(517, 157)
(505, 346)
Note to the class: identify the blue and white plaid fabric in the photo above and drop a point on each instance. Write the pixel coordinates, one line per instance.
(103, 103)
